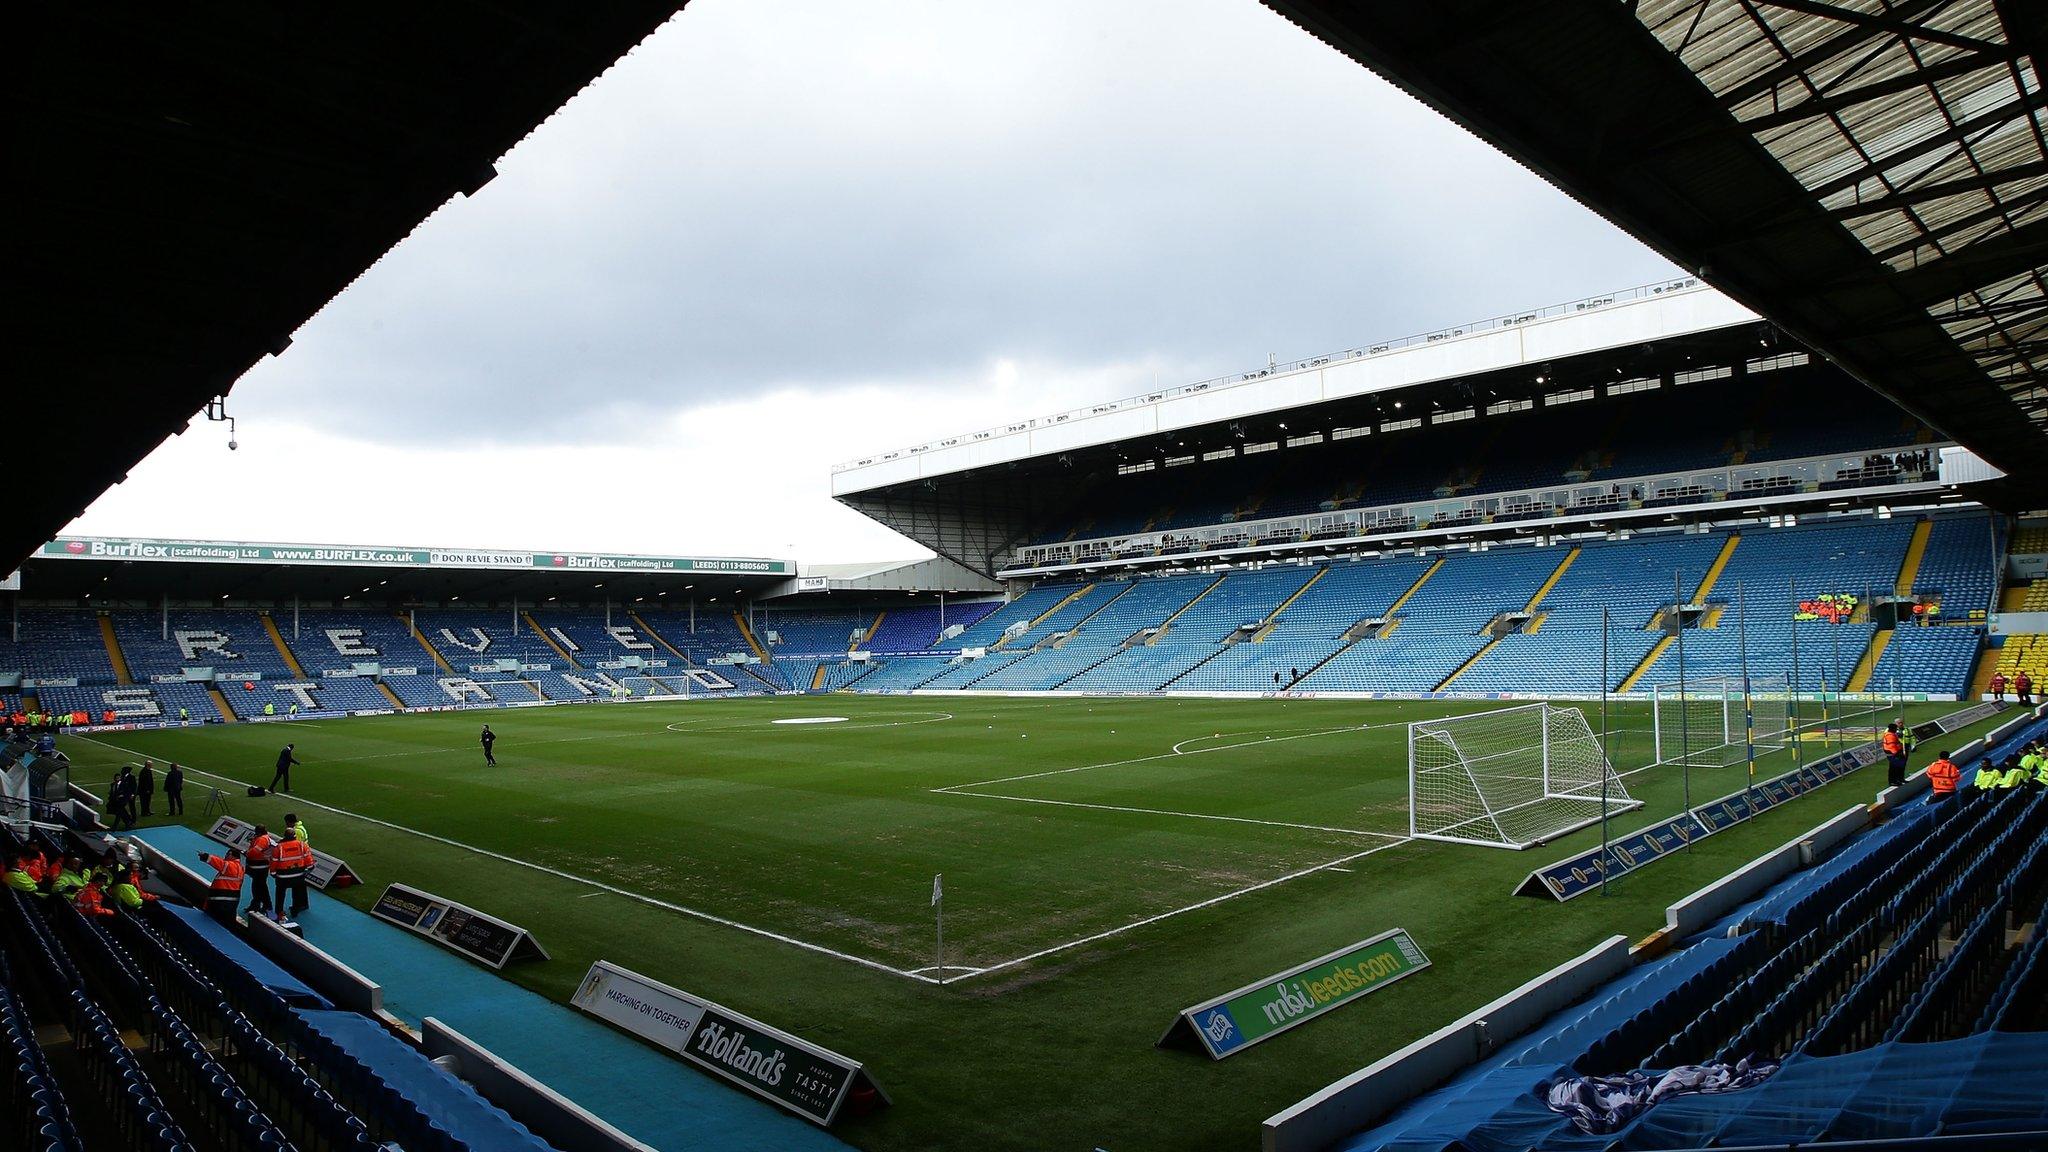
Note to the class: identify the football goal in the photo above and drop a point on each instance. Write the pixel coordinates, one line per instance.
(1711, 723)
(1510, 778)
(513, 691)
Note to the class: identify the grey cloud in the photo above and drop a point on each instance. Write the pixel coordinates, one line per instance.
(804, 192)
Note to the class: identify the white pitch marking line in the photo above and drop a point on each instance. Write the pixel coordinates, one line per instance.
(556, 872)
(1209, 903)
(1189, 815)
(1335, 868)
(1158, 756)
(588, 895)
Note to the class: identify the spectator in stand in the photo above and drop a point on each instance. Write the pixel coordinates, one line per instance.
(174, 790)
(1943, 775)
(1894, 747)
(1998, 687)
(145, 786)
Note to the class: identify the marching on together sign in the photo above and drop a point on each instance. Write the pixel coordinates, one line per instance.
(1255, 1012)
(811, 1081)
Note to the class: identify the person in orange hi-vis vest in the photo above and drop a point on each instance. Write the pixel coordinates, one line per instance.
(225, 893)
(288, 865)
(88, 901)
(1944, 776)
(1894, 746)
(262, 846)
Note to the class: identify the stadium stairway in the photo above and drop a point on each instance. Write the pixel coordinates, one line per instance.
(658, 638)
(114, 655)
(440, 661)
(1879, 641)
(1719, 566)
(284, 650)
(1562, 567)
(549, 640)
(220, 704)
(1916, 550)
(645, 1094)
(747, 634)
(1273, 618)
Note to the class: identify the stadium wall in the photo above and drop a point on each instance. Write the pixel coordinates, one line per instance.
(1356, 1101)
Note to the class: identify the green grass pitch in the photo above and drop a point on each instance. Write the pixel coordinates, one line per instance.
(1106, 862)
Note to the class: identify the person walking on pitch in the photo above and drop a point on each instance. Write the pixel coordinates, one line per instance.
(282, 780)
(145, 786)
(489, 738)
(174, 790)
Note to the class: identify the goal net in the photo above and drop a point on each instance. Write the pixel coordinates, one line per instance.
(513, 691)
(1711, 723)
(1511, 778)
(655, 687)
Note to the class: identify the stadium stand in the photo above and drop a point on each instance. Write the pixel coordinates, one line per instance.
(919, 627)
(470, 640)
(238, 1055)
(1198, 632)
(1307, 630)
(57, 643)
(333, 640)
(1711, 429)
(1030, 606)
(1960, 566)
(1879, 990)
(812, 632)
(235, 644)
(707, 634)
(591, 641)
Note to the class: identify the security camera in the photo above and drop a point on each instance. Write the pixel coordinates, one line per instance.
(232, 445)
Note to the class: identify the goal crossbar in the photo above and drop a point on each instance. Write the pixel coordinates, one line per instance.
(1509, 778)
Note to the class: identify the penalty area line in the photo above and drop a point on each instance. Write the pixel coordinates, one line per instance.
(1170, 812)
(696, 913)
(1196, 907)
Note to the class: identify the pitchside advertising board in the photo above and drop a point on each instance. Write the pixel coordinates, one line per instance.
(1580, 874)
(1255, 1012)
(327, 871)
(815, 1083)
(457, 927)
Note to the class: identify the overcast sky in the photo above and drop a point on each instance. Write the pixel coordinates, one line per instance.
(784, 233)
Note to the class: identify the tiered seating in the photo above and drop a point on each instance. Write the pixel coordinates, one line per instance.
(1198, 633)
(1027, 607)
(1630, 580)
(466, 639)
(235, 644)
(1122, 612)
(966, 673)
(591, 641)
(707, 634)
(1440, 626)
(2027, 653)
(336, 695)
(1696, 430)
(917, 628)
(341, 640)
(1960, 565)
(57, 643)
(902, 674)
(133, 703)
(1065, 617)
(812, 632)
(1934, 659)
(2030, 540)
(1307, 631)
(1899, 939)
(1771, 571)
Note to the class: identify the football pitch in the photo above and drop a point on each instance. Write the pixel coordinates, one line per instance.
(1105, 862)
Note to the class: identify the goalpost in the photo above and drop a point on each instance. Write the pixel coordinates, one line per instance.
(1510, 778)
(1711, 722)
(655, 687)
(512, 691)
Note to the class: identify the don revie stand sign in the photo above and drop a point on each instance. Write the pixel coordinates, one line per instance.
(813, 1082)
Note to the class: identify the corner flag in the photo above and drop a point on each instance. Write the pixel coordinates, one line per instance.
(938, 890)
